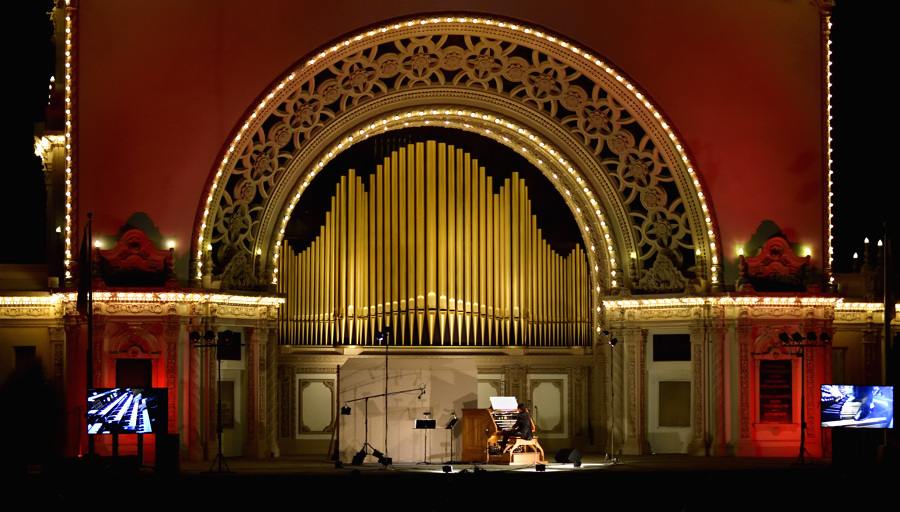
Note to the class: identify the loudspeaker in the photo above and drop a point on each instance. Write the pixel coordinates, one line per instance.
(568, 455)
(229, 348)
(167, 452)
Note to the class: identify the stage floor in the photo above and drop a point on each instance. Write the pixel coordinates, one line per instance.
(650, 482)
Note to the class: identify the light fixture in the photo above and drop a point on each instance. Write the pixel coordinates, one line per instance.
(345, 410)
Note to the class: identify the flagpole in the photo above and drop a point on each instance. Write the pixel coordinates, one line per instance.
(889, 310)
(89, 379)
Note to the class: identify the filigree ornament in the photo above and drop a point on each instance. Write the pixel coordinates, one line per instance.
(620, 141)
(358, 79)
(419, 60)
(482, 64)
(545, 84)
(660, 229)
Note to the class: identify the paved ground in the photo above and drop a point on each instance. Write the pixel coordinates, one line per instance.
(652, 482)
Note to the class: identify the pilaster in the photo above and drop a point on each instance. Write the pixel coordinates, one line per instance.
(744, 443)
(717, 420)
(697, 446)
(256, 445)
(635, 417)
(271, 393)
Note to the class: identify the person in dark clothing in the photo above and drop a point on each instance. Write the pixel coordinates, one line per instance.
(522, 428)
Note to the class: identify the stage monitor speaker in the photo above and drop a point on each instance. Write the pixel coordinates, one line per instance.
(167, 454)
(568, 455)
(229, 348)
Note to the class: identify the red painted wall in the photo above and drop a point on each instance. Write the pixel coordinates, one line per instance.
(162, 83)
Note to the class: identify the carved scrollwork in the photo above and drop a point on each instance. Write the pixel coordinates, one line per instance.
(135, 308)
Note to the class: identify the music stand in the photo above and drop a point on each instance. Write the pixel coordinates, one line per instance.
(426, 425)
(449, 428)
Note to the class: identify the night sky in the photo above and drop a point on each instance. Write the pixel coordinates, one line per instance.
(864, 174)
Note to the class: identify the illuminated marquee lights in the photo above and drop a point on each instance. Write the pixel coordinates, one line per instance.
(71, 162)
(360, 40)
(828, 190)
(177, 297)
(51, 300)
(734, 301)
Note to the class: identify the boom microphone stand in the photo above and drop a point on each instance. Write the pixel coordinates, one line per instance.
(361, 454)
(612, 389)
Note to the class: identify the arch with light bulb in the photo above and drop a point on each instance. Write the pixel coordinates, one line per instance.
(620, 166)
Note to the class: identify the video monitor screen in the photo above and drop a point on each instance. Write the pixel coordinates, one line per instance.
(126, 410)
(857, 406)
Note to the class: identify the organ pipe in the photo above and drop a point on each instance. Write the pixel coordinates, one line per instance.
(426, 245)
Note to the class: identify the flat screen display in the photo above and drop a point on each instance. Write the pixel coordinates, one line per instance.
(126, 410)
(857, 406)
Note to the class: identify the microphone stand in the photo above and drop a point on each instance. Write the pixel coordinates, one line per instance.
(385, 461)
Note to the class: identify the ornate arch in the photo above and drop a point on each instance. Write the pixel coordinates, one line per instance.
(621, 167)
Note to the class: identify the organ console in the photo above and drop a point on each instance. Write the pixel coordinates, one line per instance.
(482, 433)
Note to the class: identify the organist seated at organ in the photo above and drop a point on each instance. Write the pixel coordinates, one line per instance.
(523, 428)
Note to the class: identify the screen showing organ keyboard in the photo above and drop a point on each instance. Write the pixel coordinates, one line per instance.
(126, 410)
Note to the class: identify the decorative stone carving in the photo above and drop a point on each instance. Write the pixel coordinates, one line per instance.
(775, 268)
(134, 261)
(239, 274)
(133, 342)
(662, 277)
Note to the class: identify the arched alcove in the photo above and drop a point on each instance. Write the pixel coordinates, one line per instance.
(619, 164)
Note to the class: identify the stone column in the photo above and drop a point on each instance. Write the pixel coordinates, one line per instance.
(58, 367)
(193, 437)
(76, 387)
(744, 444)
(697, 446)
(635, 441)
(872, 357)
(812, 360)
(272, 392)
(717, 420)
(212, 390)
(617, 398)
(256, 445)
(97, 364)
(171, 331)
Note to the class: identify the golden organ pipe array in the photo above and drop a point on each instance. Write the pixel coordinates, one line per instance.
(428, 248)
